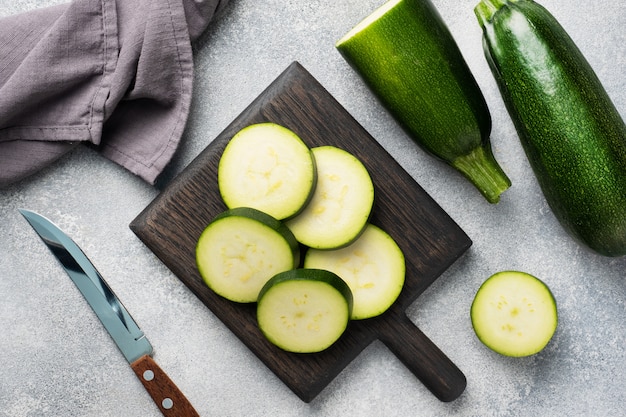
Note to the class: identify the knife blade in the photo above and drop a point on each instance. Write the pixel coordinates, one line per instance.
(129, 338)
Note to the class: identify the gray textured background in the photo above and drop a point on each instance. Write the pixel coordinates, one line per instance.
(57, 360)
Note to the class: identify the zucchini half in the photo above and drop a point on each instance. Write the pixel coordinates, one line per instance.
(406, 55)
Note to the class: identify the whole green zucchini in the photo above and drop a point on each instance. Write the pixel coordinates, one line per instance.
(572, 134)
(406, 55)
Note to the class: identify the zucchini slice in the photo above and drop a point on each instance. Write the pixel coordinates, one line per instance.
(373, 266)
(514, 314)
(241, 249)
(267, 167)
(304, 310)
(341, 204)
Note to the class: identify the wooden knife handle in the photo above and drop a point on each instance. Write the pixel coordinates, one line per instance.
(166, 395)
(427, 362)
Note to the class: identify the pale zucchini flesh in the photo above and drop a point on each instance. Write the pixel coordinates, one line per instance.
(514, 314)
(241, 249)
(304, 310)
(267, 167)
(341, 203)
(373, 266)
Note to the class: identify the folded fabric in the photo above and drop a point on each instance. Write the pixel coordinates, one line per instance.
(113, 74)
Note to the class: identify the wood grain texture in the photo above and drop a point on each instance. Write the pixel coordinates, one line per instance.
(165, 394)
(429, 238)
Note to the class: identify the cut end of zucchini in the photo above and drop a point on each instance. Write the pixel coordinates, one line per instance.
(482, 169)
(514, 314)
(304, 310)
(374, 16)
(241, 249)
(267, 167)
(373, 267)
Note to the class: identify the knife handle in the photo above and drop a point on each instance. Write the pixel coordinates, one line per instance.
(166, 395)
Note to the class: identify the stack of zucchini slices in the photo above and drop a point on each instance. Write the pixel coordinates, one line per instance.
(284, 198)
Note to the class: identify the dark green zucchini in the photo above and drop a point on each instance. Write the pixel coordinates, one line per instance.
(408, 58)
(572, 134)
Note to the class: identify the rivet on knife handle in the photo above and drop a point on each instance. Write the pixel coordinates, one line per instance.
(166, 395)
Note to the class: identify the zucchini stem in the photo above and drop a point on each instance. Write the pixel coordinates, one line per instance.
(486, 9)
(481, 168)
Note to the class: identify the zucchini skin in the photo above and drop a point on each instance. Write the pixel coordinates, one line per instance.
(572, 134)
(410, 60)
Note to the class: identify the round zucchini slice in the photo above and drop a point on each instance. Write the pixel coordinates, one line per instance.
(304, 310)
(341, 204)
(267, 167)
(241, 249)
(373, 266)
(514, 314)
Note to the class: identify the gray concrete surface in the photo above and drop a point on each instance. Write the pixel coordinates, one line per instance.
(57, 360)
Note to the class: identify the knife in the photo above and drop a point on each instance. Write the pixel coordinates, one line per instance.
(113, 315)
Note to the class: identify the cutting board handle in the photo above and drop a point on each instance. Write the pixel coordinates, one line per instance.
(429, 364)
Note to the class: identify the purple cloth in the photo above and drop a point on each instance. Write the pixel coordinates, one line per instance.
(114, 74)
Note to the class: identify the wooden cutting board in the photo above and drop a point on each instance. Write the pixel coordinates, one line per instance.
(429, 238)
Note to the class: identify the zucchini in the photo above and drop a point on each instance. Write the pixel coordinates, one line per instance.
(267, 167)
(241, 249)
(514, 314)
(373, 267)
(341, 204)
(406, 55)
(572, 134)
(304, 310)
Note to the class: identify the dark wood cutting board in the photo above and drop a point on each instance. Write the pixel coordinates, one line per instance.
(429, 238)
